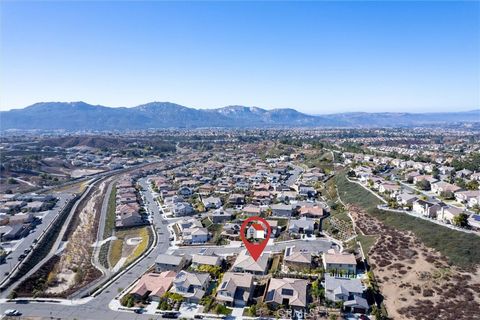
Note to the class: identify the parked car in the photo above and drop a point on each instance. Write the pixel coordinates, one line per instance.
(12, 312)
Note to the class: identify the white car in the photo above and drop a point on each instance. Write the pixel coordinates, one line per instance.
(12, 312)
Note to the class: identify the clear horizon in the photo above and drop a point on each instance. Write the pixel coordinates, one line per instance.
(315, 57)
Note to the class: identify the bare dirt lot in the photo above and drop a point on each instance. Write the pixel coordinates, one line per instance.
(416, 281)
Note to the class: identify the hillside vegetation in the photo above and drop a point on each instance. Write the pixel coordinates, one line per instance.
(460, 248)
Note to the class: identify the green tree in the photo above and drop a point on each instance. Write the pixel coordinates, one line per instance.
(472, 185)
(423, 185)
(461, 220)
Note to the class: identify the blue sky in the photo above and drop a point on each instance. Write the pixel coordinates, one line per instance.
(317, 57)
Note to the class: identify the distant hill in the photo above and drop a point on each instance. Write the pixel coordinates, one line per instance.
(82, 116)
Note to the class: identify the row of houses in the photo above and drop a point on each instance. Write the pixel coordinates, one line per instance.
(127, 211)
(237, 285)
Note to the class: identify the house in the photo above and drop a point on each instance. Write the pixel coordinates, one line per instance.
(182, 209)
(474, 221)
(245, 263)
(337, 262)
(198, 260)
(21, 218)
(428, 178)
(306, 191)
(303, 225)
(256, 231)
(470, 197)
(464, 173)
(235, 290)
(153, 285)
(406, 199)
(315, 211)
(13, 232)
(35, 206)
(165, 262)
(475, 176)
(127, 215)
(231, 231)
(342, 289)
(221, 216)
(212, 203)
(251, 210)
(287, 292)
(195, 235)
(391, 188)
(427, 209)
(357, 304)
(282, 210)
(297, 259)
(185, 191)
(447, 213)
(191, 285)
(236, 199)
(442, 186)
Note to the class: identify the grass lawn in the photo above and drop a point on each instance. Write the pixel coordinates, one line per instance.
(462, 249)
(110, 218)
(117, 249)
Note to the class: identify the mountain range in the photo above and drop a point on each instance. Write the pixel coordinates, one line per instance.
(74, 116)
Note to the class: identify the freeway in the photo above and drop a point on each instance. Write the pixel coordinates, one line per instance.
(25, 243)
(97, 308)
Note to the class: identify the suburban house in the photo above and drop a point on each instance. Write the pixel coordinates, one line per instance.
(447, 213)
(153, 285)
(235, 290)
(195, 235)
(442, 186)
(427, 209)
(306, 191)
(282, 210)
(220, 215)
(315, 211)
(337, 262)
(198, 260)
(342, 289)
(256, 231)
(182, 209)
(303, 225)
(406, 199)
(191, 285)
(245, 263)
(212, 203)
(166, 262)
(287, 292)
(296, 259)
(470, 197)
(428, 178)
(127, 215)
(390, 188)
(236, 199)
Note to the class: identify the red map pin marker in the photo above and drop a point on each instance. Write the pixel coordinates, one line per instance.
(255, 236)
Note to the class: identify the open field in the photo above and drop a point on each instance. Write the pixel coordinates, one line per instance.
(417, 280)
(460, 248)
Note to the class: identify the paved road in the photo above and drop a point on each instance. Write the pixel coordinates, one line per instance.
(97, 308)
(25, 243)
(317, 245)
